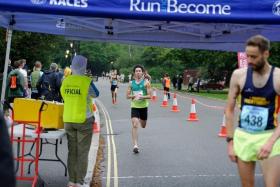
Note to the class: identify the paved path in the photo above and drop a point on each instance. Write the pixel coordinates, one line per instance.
(173, 151)
(52, 173)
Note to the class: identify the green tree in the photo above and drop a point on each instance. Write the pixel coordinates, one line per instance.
(33, 46)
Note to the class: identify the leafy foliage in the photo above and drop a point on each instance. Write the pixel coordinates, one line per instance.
(32, 47)
(102, 57)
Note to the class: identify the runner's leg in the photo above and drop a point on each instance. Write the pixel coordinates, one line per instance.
(143, 123)
(135, 122)
(168, 93)
(246, 172)
(271, 171)
(143, 117)
(115, 92)
(112, 92)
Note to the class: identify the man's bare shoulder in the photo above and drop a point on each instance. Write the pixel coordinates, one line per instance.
(238, 73)
(238, 77)
(277, 79)
(277, 74)
(277, 70)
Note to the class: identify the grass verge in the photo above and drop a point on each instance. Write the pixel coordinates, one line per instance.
(96, 182)
(215, 94)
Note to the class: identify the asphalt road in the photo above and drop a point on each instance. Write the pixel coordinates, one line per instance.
(173, 151)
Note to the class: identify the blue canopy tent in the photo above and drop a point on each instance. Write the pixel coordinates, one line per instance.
(201, 24)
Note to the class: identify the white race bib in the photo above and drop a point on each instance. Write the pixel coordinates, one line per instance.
(140, 92)
(253, 118)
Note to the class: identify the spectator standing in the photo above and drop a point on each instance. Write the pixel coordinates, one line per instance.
(190, 85)
(49, 84)
(180, 82)
(67, 72)
(77, 91)
(22, 68)
(166, 84)
(34, 77)
(15, 83)
(174, 81)
(198, 84)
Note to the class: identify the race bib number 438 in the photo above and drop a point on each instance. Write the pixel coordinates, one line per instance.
(254, 118)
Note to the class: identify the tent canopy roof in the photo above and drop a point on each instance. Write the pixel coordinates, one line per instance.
(216, 25)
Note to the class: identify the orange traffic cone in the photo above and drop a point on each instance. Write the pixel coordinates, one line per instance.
(96, 128)
(164, 102)
(192, 116)
(93, 107)
(175, 104)
(223, 130)
(154, 96)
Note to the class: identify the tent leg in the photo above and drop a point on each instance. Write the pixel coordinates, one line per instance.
(8, 49)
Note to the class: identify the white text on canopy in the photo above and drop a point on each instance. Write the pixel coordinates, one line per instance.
(173, 6)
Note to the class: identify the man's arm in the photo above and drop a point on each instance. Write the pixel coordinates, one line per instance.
(234, 91)
(163, 82)
(149, 91)
(128, 92)
(147, 76)
(93, 91)
(265, 150)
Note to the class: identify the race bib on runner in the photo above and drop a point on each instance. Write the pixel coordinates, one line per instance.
(137, 94)
(140, 92)
(253, 118)
(114, 82)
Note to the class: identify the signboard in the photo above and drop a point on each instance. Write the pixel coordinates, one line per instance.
(242, 60)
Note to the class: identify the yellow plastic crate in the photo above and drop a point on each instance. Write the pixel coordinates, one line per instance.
(28, 110)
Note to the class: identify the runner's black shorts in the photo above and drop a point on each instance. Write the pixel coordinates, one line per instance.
(166, 89)
(141, 113)
(113, 87)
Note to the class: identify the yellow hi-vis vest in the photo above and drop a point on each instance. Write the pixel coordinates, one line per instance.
(167, 82)
(74, 91)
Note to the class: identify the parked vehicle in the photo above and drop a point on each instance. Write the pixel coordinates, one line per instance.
(211, 84)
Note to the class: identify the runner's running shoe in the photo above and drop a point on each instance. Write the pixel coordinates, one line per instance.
(136, 149)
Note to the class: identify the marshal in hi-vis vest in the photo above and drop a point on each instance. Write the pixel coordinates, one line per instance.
(74, 90)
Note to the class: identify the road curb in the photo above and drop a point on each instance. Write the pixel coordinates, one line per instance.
(93, 151)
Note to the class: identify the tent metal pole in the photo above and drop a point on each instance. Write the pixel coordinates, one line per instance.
(7, 58)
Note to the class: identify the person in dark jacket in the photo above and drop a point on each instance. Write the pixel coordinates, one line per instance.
(174, 81)
(180, 82)
(7, 174)
(49, 84)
